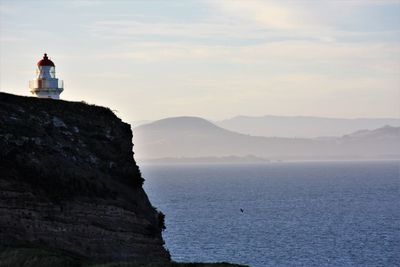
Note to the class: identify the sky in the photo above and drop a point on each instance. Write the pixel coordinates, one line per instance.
(216, 59)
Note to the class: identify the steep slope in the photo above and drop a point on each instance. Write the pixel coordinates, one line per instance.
(304, 127)
(384, 133)
(69, 181)
(196, 137)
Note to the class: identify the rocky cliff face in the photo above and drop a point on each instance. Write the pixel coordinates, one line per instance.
(68, 181)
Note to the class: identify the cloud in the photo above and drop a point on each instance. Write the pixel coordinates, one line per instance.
(285, 56)
(109, 75)
(326, 21)
(7, 9)
(11, 39)
(84, 3)
(133, 29)
(370, 2)
(269, 14)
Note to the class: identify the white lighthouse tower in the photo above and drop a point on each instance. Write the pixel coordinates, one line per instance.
(46, 85)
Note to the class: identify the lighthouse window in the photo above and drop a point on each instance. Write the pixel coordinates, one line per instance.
(52, 72)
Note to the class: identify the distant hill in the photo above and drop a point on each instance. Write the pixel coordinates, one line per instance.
(304, 127)
(384, 133)
(191, 137)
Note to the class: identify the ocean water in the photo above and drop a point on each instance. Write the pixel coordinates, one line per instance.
(294, 214)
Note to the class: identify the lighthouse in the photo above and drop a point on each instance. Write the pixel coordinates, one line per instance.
(46, 85)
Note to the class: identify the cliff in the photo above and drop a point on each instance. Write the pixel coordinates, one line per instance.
(68, 181)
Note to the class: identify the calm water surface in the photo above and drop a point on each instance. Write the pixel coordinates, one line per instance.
(294, 214)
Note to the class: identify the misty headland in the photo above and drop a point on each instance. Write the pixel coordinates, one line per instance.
(193, 139)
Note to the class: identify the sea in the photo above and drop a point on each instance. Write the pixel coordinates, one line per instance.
(280, 214)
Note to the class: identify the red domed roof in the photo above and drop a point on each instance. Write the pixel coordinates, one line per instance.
(45, 62)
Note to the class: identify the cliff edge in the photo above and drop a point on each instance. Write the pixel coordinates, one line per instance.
(68, 181)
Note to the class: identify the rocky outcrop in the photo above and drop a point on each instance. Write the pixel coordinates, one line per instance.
(68, 181)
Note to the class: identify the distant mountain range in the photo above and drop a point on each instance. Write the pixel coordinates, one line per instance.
(300, 126)
(192, 137)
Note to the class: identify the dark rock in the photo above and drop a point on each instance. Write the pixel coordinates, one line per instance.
(68, 181)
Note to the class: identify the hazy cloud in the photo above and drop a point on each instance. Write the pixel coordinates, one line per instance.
(272, 15)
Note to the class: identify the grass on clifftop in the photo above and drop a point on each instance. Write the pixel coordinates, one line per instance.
(36, 257)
